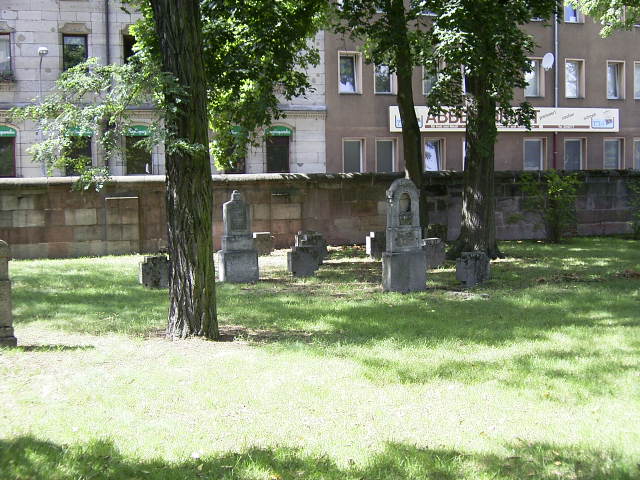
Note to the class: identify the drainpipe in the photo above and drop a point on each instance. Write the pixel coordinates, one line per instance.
(107, 29)
(555, 85)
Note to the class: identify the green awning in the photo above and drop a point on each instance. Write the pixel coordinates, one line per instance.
(80, 132)
(138, 131)
(7, 131)
(280, 131)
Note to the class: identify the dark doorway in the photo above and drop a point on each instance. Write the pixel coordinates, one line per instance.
(277, 154)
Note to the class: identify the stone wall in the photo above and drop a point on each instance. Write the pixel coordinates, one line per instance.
(45, 218)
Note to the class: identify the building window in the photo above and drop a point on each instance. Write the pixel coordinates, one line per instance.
(383, 79)
(573, 152)
(128, 41)
(352, 155)
(277, 154)
(433, 154)
(534, 79)
(612, 153)
(385, 155)
(615, 80)
(138, 158)
(636, 153)
(572, 15)
(79, 153)
(7, 156)
(74, 50)
(5, 56)
(534, 154)
(574, 74)
(349, 73)
(636, 80)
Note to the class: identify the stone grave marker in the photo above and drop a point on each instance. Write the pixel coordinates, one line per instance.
(434, 252)
(376, 243)
(238, 257)
(154, 271)
(315, 241)
(263, 242)
(7, 339)
(303, 261)
(404, 266)
(473, 268)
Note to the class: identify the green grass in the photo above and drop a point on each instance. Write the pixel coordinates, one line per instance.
(536, 374)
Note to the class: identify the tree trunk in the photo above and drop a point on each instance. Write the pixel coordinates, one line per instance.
(478, 229)
(189, 187)
(411, 142)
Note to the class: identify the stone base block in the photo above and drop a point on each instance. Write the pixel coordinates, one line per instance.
(473, 268)
(303, 261)
(239, 266)
(434, 252)
(154, 271)
(404, 272)
(263, 242)
(6, 337)
(376, 244)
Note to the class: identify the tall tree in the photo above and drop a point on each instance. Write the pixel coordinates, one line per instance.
(614, 14)
(394, 33)
(485, 57)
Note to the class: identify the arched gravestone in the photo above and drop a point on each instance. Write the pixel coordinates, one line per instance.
(238, 257)
(6, 319)
(404, 267)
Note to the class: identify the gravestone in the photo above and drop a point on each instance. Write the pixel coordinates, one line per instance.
(473, 268)
(404, 267)
(154, 271)
(303, 261)
(376, 243)
(315, 241)
(238, 257)
(6, 318)
(263, 242)
(434, 252)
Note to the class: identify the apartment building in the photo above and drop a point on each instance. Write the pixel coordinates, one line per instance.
(588, 100)
(588, 107)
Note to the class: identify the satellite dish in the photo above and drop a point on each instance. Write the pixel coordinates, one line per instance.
(547, 61)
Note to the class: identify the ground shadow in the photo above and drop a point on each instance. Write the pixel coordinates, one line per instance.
(28, 457)
(51, 348)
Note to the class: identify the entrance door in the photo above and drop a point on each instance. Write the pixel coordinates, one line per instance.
(7, 157)
(277, 154)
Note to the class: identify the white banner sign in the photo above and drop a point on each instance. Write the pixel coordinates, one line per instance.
(548, 119)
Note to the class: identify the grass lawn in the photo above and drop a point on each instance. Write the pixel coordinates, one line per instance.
(534, 375)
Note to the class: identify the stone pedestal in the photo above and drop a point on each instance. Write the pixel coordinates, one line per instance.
(238, 257)
(434, 252)
(472, 268)
(404, 272)
(313, 240)
(376, 243)
(303, 261)
(7, 339)
(154, 271)
(263, 242)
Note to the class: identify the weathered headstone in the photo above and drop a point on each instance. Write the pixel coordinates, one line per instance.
(263, 242)
(154, 271)
(376, 243)
(473, 268)
(303, 261)
(404, 267)
(7, 339)
(313, 240)
(434, 252)
(238, 257)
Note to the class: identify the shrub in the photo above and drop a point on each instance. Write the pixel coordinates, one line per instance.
(634, 202)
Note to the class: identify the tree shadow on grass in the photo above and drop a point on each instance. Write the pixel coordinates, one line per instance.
(28, 457)
(51, 348)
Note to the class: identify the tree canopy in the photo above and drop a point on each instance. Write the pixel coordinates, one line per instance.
(614, 14)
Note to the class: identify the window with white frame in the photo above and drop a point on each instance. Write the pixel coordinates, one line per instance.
(573, 81)
(572, 15)
(383, 80)
(573, 153)
(636, 80)
(352, 155)
(433, 154)
(5, 55)
(428, 81)
(533, 154)
(349, 73)
(636, 153)
(534, 79)
(613, 148)
(615, 80)
(385, 155)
